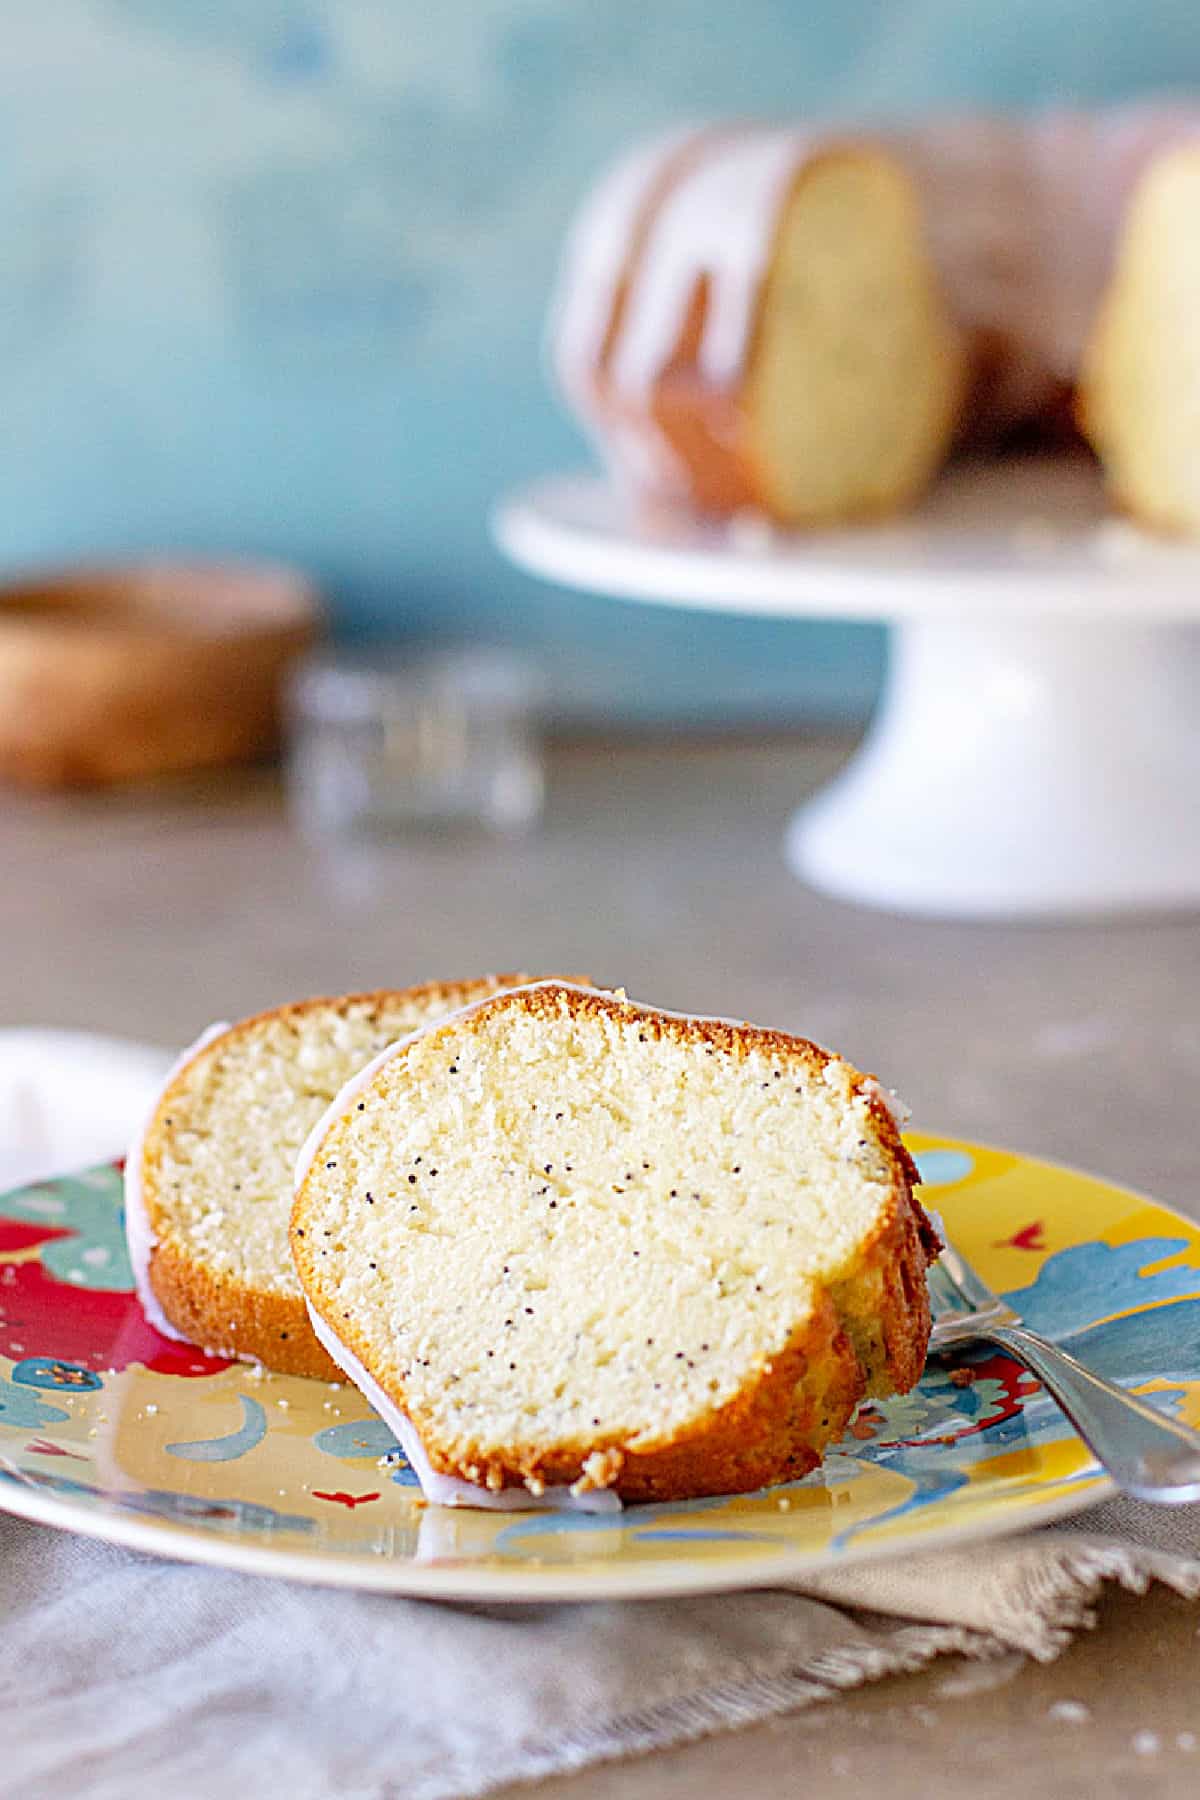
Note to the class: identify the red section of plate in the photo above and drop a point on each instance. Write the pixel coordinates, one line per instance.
(97, 1327)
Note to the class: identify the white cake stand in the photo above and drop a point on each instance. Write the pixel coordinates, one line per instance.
(1036, 752)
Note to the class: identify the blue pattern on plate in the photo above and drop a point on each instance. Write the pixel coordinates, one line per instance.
(368, 1438)
(53, 1372)
(183, 1509)
(942, 1168)
(252, 1431)
(1089, 1281)
(357, 1437)
(24, 1411)
(89, 1207)
(685, 1536)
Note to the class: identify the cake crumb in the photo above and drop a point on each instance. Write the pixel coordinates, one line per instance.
(1070, 1712)
(600, 1470)
(979, 1677)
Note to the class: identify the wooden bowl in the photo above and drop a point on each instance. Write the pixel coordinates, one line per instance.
(117, 674)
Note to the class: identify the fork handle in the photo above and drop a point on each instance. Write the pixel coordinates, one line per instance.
(1147, 1453)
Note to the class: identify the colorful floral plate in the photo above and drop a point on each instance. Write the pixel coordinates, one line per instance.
(108, 1428)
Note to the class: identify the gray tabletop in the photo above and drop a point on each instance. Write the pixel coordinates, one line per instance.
(659, 869)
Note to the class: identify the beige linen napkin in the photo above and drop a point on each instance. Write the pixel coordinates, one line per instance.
(123, 1677)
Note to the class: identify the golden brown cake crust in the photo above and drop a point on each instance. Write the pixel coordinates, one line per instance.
(779, 1424)
(213, 1308)
(226, 1316)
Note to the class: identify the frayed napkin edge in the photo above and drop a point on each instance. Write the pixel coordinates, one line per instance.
(1056, 1597)
(688, 1718)
(1034, 1599)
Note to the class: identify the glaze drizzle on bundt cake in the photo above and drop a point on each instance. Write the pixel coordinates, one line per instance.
(805, 322)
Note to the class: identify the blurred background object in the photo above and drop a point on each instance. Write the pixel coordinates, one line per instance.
(70, 1099)
(275, 279)
(156, 668)
(428, 740)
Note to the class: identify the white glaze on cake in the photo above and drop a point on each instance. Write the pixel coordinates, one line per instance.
(1022, 220)
(139, 1234)
(595, 262)
(595, 258)
(717, 224)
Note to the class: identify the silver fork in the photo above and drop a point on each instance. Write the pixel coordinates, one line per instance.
(1147, 1453)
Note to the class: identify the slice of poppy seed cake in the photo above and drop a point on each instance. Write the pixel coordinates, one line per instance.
(564, 1241)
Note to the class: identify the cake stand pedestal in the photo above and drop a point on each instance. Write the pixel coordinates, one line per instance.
(1036, 751)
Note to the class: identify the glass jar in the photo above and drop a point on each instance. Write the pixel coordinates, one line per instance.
(383, 743)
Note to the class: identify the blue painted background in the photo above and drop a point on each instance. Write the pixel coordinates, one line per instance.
(273, 275)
